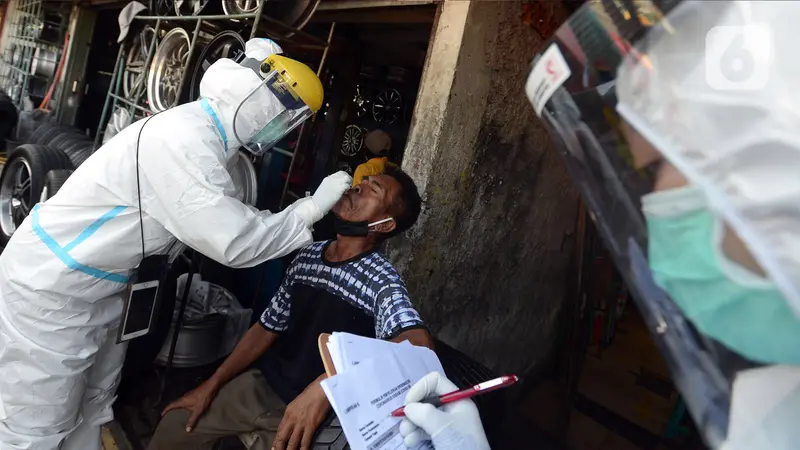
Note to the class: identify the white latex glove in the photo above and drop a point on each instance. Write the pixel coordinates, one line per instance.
(455, 426)
(313, 208)
(330, 190)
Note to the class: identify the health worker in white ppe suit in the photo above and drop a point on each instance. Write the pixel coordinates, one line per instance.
(65, 270)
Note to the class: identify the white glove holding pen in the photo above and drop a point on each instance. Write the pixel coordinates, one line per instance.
(327, 194)
(454, 426)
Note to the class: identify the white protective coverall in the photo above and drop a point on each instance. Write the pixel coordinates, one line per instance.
(64, 272)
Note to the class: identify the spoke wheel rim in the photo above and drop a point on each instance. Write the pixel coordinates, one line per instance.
(16, 199)
(135, 73)
(353, 140)
(387, 106)
(164, 76)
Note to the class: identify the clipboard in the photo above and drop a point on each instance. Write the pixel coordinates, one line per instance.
(327, 361)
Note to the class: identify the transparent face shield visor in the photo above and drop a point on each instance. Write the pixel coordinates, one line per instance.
(268, 113)
(573, 88)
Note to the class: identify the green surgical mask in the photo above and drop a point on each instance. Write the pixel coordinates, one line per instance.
(723, 300)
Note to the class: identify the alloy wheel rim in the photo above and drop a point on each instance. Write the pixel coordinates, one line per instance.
(15, 196)
(135, 73)
(166, 70)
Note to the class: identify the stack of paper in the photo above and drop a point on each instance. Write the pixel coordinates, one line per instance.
(372, 379)
(347, 349)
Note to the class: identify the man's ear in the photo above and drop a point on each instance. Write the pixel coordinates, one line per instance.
(386, 227)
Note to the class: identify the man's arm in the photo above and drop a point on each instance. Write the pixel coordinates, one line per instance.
(254, 343)
(417, 336)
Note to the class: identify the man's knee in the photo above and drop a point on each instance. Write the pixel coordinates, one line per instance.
(171, 430)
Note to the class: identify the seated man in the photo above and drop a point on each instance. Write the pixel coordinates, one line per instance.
(339, 285)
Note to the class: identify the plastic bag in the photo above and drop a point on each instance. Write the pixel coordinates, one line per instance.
(119, 120)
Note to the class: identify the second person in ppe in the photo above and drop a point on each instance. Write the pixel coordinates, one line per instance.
(677, 122)
(64, 272)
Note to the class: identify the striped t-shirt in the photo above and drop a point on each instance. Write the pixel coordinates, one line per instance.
(368, 282)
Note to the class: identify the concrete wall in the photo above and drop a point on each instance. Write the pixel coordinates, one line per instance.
(487, 262)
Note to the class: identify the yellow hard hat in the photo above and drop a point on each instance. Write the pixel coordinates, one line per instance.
(298, 77)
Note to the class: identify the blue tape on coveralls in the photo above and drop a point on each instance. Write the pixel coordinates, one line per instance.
(63, 254)
(210, 111)
(91, 229)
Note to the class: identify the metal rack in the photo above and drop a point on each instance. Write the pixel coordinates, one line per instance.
(136, 103)
(25, 50)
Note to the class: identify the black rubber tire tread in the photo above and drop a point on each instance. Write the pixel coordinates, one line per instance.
(28, 123)
(46, 133)
(41, 160)
(79, 152)
(55, 179)
(330, 435)
(70, 140)
(66, 138)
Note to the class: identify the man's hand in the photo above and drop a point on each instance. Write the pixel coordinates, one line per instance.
(302, 418)
(196, 401)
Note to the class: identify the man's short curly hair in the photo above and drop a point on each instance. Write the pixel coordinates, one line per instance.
(407, 205)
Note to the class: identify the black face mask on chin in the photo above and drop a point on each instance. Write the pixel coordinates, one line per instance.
(348, 228)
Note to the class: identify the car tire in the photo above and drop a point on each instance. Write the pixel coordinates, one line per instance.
(66, 138)
(40, 160)
(45, 133)
(77, 147)
(53, 182)
(330, 435)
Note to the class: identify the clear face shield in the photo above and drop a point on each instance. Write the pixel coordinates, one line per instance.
(270, 111)
(660, 157)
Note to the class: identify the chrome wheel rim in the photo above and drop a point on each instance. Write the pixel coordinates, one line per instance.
(166, 70)
(15, 195)
(135, 73)
(239, 6)
(352, 141)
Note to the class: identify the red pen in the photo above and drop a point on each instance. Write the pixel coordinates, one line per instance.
(478, 389)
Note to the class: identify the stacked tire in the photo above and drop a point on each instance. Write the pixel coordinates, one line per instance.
(29, 171)
(77, 146)
(35, 171)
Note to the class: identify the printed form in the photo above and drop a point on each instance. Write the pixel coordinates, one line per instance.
(348, 350)
(365, 395)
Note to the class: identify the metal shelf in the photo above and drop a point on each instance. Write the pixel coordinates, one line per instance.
(25, 25)
(23, 71)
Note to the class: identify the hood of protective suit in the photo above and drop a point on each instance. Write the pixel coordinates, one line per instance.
(226, 84)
